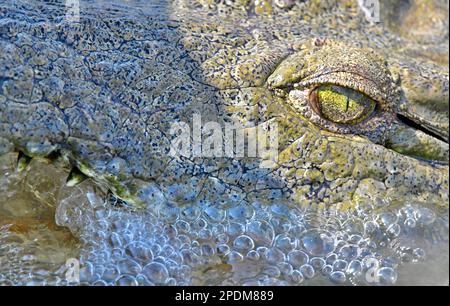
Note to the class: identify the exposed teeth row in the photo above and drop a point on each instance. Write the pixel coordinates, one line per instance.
(74, 178)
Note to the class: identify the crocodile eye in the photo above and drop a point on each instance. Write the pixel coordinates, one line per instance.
(340, 104)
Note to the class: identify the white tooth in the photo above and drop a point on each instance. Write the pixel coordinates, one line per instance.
(23, 161)
(75, 177)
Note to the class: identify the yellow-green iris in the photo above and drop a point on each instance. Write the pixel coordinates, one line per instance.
(342, 105)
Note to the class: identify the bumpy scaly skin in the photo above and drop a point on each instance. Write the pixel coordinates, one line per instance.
(104, 92)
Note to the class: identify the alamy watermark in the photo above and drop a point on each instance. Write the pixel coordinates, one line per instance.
(371, 9)
(72, 271)
(73, 10)
(371, 275)
(233, 140)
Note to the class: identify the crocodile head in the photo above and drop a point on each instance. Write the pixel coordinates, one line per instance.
(135, 98)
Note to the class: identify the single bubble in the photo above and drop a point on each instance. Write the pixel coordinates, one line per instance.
(270, 281)
(222, 238)
(253, 255)
(235, 229)
(100, 283)
(282, 226)
(419, 255)
(234, 257)
(285, 268)
(272, 271)
(307, 271)
(155, 248)
(182, 272)
(129, 266)
(338, 277)
(218, 229)
(126, 280)
(262, 251)
(143, 280)
(156, 273)
(331, 258)
(326, 270)
(182, 226)
(348, 252)
(355, 268)
(284, 243)
(388, 218)
(297, 277)
(223, 249)
(169, 230)
(340, 265)
(318, 263)
(87, 272)
(297, 230)
(389, 262)
(243, 243)
(340, 237)
(261, 232)
(370, 228)
(139, 250)
(166, 251)
(297, 258)
(205, 234)
(369, 262)
(176, 257)
(355, 239)
(207, 250)
(352, 226)
(199, 224)
(275, 255)
(184, 239)
(126, 235)
(171, 282)
(110, 273)
(251, 283)
(190, 256)
(387, 276)
(318, 243)
(425, 216)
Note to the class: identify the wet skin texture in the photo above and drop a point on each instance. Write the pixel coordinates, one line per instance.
(100, 95)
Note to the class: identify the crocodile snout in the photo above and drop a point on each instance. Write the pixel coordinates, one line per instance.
(422, 128)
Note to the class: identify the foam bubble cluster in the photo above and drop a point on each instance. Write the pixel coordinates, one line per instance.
(256, 244)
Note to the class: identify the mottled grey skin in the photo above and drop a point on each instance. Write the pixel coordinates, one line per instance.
(103, 92)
